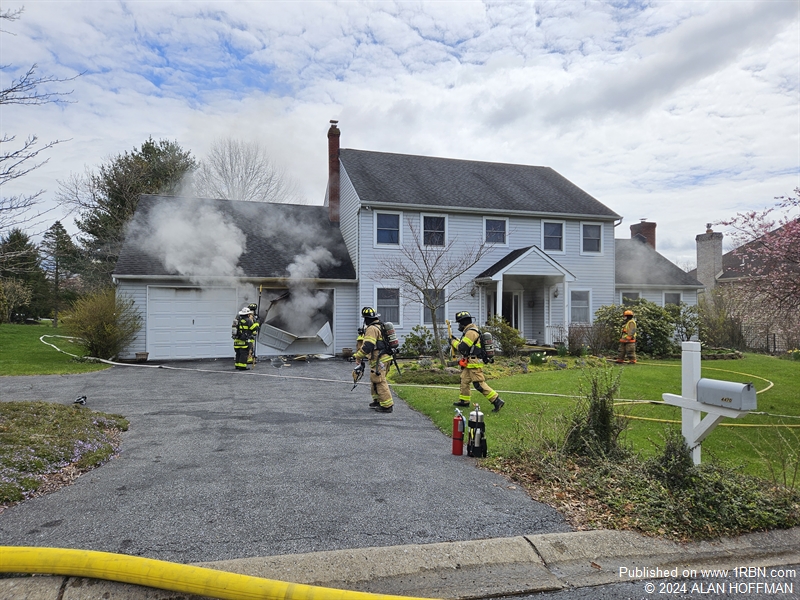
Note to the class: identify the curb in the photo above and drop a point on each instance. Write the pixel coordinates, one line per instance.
(468, 570)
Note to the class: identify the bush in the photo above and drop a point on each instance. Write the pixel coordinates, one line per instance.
(418, 342)
(655, 328)
(507, 339)
(104, 324)
(674, 468)
(596, 427)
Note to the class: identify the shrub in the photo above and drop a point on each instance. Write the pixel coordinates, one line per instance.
(674, 467)
(419, 341)
(507, 339)
(104, 324)
(596, 427)
(655, 329)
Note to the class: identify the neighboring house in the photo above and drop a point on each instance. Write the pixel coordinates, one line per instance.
(551, 260)
(641, 272)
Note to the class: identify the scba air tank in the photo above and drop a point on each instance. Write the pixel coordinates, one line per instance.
(476, 446)
(391, 336)
(488, 344)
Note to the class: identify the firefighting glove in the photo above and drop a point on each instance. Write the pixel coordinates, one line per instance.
(359, 370)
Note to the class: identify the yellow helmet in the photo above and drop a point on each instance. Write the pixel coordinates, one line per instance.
(627, 313)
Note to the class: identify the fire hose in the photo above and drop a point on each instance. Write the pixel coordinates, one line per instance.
(159, 574)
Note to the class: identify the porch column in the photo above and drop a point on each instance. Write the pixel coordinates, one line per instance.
(498, 298)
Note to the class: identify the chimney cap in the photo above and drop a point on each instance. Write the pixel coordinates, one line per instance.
(334, 122)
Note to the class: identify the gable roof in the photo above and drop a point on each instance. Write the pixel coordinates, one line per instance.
(403, 180)
(529, 260)
(261, 240)
(637, 264)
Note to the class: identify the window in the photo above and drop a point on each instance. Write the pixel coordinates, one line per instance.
(579, 307)
(387, 228)
(495, 231)
(591, 235)
(553, 236)
(433, 230)
(388, 304)
(672, 298)
(629, 298)
(440, 316)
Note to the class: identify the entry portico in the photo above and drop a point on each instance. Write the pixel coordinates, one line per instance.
(529, 289)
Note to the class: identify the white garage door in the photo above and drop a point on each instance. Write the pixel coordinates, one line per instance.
(190, 322)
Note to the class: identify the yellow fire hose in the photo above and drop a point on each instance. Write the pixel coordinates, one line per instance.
(164, 575)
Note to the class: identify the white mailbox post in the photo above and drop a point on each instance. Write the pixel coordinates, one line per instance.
(719, 399)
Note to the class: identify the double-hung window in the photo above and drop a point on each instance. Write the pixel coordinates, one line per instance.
(553, 236)
(496, 231)
(579, 307)
(591, 238)
(438, 299)
(387, 229)
(387, 303)
(433, 230)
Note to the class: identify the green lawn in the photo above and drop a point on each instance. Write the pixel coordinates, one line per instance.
(22, 352)
(538, 404)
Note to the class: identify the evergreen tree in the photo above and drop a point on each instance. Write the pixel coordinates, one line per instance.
(20, 262)
(60, 261)
(107, 199)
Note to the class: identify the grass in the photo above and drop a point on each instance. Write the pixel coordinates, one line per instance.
(22, 353)
(756, 444)
(44, 445)
(749, 479)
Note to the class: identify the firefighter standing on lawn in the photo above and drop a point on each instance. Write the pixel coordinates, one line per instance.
(627, 341)
(373, 348)
(254, 325)
(240, 332)
(470, 348)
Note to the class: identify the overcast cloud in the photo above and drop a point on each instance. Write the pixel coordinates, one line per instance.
(682, 113)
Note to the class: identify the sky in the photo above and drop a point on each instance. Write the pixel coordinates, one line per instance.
(680, 113)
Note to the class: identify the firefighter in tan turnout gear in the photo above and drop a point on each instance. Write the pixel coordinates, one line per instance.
(374, 349)
(470, 347)
(627, 340)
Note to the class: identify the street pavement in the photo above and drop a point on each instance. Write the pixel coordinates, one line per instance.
(287, 474)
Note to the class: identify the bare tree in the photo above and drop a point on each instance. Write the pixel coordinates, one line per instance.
(432, 275)
(18, 162)
(237, 170)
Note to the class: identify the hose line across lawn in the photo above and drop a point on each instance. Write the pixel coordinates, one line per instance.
(165, 575)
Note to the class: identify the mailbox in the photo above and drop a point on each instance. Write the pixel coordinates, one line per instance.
(738, 396)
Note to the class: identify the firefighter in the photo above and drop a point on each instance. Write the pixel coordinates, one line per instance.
(254, 325)
(470, 347)
(627, 341)
(375, 350)
(240, 331)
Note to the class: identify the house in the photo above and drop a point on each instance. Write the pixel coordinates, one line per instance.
(641, 272)
(550, 255)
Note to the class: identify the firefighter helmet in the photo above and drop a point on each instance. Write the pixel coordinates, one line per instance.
(253, 307)
(463, 315)
(244, 312)
(627, 313)
(369, 313)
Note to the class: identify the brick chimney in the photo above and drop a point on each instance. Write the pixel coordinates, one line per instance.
(645, 232)
(709, 257)
(333, 172)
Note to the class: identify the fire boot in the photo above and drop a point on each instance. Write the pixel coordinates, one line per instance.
(498, 404)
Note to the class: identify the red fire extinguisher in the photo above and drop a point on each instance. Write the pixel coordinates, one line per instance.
(458, 433)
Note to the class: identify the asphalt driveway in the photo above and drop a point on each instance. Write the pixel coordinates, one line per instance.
(219, 464)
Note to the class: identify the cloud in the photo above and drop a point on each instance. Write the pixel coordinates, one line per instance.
(687, 111)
